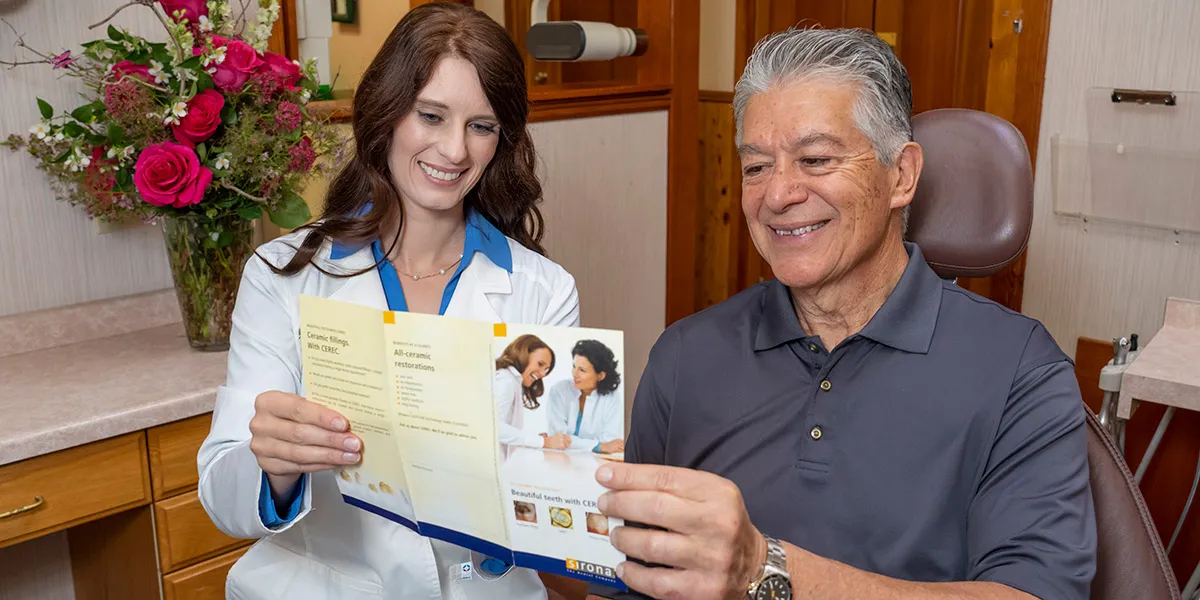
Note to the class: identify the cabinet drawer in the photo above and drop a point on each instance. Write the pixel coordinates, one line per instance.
(185, 533)
(72, 486)
(205, 581)
(173, 449)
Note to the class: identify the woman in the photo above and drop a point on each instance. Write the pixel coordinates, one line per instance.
(517, 386)
(435, 213)
(587, 407)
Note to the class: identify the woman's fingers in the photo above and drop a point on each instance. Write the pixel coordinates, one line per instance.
(286, 458)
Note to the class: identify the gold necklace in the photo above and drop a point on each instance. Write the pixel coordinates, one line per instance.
(439, 272)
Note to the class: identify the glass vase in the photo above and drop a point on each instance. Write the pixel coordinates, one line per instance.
(207, 256)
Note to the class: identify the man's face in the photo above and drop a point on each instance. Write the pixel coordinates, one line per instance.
(816, 199)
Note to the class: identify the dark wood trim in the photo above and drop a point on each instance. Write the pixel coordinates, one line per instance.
(718, 96)
(284, 35)
(551, 104)
(683, 160)
(114, 557)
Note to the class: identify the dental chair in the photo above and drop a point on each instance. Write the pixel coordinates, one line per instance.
(971, 217)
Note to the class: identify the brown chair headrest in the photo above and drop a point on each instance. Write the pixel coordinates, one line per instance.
(973, 207)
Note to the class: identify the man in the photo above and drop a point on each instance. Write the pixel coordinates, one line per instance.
(857, 428)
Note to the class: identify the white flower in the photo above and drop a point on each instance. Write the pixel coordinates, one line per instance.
(179, 109)
(58, 137)
(214, 236)
(171, 120)
(127, 152)
(84, 160)
(40, 130)
(106, 54)
(157, 72)
(304, 95)
(112, 152)
(222, 162)
(217, 56)
(206, 25)
(128, 46)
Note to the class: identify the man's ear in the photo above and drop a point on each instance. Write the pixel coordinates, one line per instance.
(908, 171)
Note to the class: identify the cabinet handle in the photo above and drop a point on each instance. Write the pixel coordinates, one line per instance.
(37, 501)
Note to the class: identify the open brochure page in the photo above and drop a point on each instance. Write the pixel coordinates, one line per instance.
(447, 427)
(570, 393)
(484, 435)
(345, 369)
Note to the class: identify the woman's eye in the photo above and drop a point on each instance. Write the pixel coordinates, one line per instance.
(429, 117)
(483, 128)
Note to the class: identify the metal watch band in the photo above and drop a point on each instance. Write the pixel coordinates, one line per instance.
(776, 555)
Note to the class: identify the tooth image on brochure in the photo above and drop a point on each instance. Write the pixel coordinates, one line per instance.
(485, 435)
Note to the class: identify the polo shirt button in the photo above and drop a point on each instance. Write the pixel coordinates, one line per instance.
(816, 433)
(826, 385)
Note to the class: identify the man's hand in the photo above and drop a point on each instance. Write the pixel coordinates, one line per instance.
(714, 549)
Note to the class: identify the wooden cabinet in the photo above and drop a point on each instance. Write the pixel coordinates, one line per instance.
(205, 581)
(173, 449)
(193, 554)
(50, 493)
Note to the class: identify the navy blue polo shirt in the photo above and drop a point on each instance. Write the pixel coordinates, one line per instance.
(943, 442)
(482, 237)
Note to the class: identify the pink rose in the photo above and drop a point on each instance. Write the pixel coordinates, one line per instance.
(192, 9)
(125, 67)
(203, 118)
(282, 67)
(170, 174)
(240, 61)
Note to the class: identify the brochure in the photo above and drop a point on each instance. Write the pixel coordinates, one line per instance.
(461, 421)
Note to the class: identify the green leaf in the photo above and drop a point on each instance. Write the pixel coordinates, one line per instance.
(229, 115)
(96, 139)
(62, 157)
(202, 152)
(191, 63)
(249, 213)
(83, 114)
(44, 106)
(116, 135)
(162, 55)
(204, 82)
(73, 129)
(292, 212)
(115, 34)
(124, 179)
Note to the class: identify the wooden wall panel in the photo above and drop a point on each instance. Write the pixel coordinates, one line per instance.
(1168, 478)
(831, 14)
(721, 222)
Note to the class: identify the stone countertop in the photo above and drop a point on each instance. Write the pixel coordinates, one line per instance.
(71, 395)
(1167, 370)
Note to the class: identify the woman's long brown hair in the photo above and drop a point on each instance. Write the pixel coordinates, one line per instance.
(508, 191)
(516, 355)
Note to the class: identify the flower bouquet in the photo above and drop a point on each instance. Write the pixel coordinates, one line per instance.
(204, 133)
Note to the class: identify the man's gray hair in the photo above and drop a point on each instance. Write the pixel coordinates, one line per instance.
(883, 110)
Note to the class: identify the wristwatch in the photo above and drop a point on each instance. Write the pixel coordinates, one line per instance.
(773, 582)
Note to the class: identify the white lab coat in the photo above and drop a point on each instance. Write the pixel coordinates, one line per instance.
(603, 415)
(506, 385)
(331, 550)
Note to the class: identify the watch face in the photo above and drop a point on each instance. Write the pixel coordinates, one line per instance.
(775, 587)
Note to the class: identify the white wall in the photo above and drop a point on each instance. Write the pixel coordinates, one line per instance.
(1096, 279)
(50, 254)
(605, 189)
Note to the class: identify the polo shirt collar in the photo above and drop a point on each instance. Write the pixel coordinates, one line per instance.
(906, 320)
(481, 236)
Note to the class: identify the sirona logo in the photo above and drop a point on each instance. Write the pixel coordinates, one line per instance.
(589, 568)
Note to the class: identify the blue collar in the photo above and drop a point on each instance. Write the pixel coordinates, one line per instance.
(481, 236)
